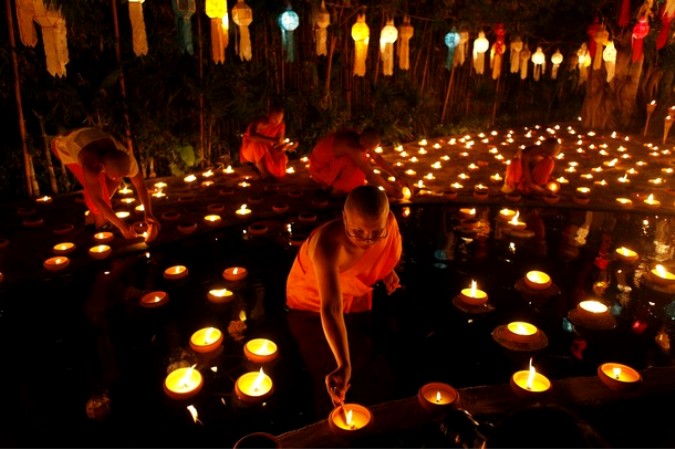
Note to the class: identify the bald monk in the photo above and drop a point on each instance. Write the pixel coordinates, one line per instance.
(329, 289)
(342, 161)
(99, 162)
(530, 169)
(264, 144)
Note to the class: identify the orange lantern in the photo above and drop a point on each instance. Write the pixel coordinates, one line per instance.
(361, 36)
(140, 40)
(242, 15)
(322, 23)
(556, 60)
(405, 33)
(220, 24)
(24, 16)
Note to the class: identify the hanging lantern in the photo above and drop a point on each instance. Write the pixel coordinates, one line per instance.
(216, 10)
(25, 12)
(640, 31)
(556, 60)
(515, 48)
(139, 39)
(288, 21)
(361, 36)
(525, 54)
(583, 62)
(462, 48)
(388, 36)
(539, 61)
(322, 23)
(497, 51)
(601, 39)
(405, 33)
(452, 40)
(609, 56)
(242, 15)
(184, 10)
(667, 14)
(591, 31)
(54, 37)
(480, 46)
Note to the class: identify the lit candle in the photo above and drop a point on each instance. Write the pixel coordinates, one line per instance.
(207, 183)
(537, 280)
(618, 376)
(212, 219)
(122, 214)
(507, 214)
(56, 263)
(220, 295)
(127, 201)
(206, 340)
(496, 178)
(253, 386)
(63, 248)
(235, 273)
(243, 211)
(190, 178)
(480, 191)
(160, 185)
(228, 170)
(104, 237)
(593, 307)
(154, 299)
(437, 396)
(651, 202)
(349, 418)
(473, 296)
(125, 191)
(176, 272)
(521, 331)
(183, 383)
(530, 382)
(100, 251)
(625, 254)
(515, 224)
(44, 200)
(660, 275)
(260, 350)
(467, 213)
(625, 202)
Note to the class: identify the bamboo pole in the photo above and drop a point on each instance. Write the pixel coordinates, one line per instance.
(447, 94)
(48, 155)
(27, 161)
(496, 102)
(200, 65)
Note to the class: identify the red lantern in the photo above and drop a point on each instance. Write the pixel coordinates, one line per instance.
(640, 31)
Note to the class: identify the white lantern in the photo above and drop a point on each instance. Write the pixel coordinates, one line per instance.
(556, 60)
(480, 46)
(388, 36)
(54, 37)
(515, 48)
(539, 61)
(609, 56)
(525, 54)
(289, 22)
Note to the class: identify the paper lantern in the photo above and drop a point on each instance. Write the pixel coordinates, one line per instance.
(288, 21)
(388, 36)
(525, 54)
(184, 10)
(322, 23)
(556, 60)
(361, 36)
(609, 56)
(480, 46)
(452, 40)
(405, 33)
(640, 31)
(591, 31)
(497, 51)
(462, 48)
(54, 37)
(515, 48)
(216, 10)
(583, 62)
(242, 16)
(667, 14)
(139, 38)
(601, 39)
(539, 61)
(24, 17)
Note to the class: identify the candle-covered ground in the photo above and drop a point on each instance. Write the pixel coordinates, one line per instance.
(87, 357)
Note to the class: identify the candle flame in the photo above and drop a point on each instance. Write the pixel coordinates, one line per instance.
(473, 288)
(258, 380)
(208, 335)
(438, 396)
(348, 417)
(514, 220)
(617, 372)
(530, 377)
(184, 381)
(242, 316)
(194, 413)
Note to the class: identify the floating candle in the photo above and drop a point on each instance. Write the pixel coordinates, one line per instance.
(625, 254)
(206, 340)
(661, 276)
(154, 299)
(220, 295)
(243, 211)
(473, 296)
(537, 280)
(212, 219)
(176, 272)
(618, 376)
(651, 202)
(349, 418)
(625, 202)
(183, 383)
(104, 237)
(235, 273)
(63, 248)
(253, 386)
(530, 382)
(100, 251)
(437, 396)
(56, 263)
(260, 350)
(521, 331)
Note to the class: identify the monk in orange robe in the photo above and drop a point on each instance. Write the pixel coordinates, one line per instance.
(265, 145)
(329, 288)
(531, 167)
(341, 161)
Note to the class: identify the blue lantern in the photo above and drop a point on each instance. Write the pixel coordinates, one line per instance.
(451, 41)
(288, 21)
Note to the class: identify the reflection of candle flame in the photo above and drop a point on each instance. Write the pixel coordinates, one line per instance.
(195, 414)
(514, 220)
(617, 372)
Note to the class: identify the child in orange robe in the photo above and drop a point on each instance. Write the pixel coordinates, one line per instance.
(531, 167)
(264, 144)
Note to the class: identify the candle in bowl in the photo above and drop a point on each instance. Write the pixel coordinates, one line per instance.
(61, 249)
(253, 386)
(521, 331)
(44, 200)
(258, 229)
(661, 276)
(154, 299)
(480, 192)
(56, 263)
(176, 272)
(467, 213)
(618, 376)
(626, 255)
(514, 223)
(537, 280)
(206, 340)
(473, 296)
(651, 202)
(100, 251)
(235, 273)
(260, 350)
(625, 202)
(506, 214)
(212, 219)
(183, 383)
(220, 295)
(529, 382)
(592, 314)
(582, 195)
(437, 396)
(349, 418)
(104, 237)
(243, 211)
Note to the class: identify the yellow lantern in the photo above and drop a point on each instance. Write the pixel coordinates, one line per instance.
(242, 15)
(24, 16)
(405, 33)
(139, 38)
(556, 60)
(609, 56)
(480, 46)
(539, 61)
(54, 37)
(388, 36)
(583, 62)
(361, 36)
(322, 23)
(216, 10)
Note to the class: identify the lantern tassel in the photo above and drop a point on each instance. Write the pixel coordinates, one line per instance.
(524, 61)
(289, 45)
(360, 55)
(321, 41)
(218, 41)
(450, 57)
(140, 41)
(24, 14)
(405, 33)
(515, 48)
(462, 48)
(184, 28)
(245, 49)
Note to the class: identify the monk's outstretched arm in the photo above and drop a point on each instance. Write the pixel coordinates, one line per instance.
(372, 177)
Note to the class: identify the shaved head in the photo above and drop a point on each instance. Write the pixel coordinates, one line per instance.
(368, 202)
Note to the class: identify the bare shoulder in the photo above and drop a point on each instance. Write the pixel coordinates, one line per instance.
(325, 245)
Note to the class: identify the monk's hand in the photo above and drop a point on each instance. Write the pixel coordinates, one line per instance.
(391, 282)
(337, 384)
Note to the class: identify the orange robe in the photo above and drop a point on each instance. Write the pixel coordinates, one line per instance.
(341, 172)
(356, 282)
(275, 160)
(540, 173)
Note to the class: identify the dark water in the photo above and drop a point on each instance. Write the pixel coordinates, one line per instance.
(68, 337)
